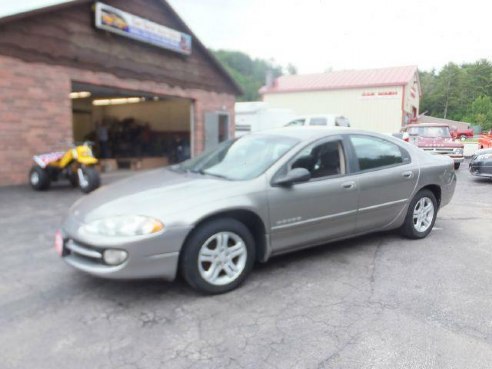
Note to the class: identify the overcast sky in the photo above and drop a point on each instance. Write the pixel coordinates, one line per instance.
(316, 35)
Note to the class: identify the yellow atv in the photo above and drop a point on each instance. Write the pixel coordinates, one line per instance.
(77, 165)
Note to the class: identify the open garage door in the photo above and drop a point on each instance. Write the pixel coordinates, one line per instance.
(132, 129)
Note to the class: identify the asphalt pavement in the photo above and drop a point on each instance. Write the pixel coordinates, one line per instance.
(378, 301)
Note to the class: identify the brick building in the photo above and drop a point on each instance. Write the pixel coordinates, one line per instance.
(67, 69)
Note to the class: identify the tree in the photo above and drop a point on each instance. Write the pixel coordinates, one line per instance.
(451, 92)
(480, 112)
(291, 69)
(250, 73)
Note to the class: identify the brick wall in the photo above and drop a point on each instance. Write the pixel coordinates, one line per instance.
(36, 116)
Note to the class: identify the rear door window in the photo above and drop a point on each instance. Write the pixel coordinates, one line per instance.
(375, 153)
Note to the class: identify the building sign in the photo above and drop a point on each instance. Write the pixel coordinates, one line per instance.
(125, 24)
(379, 94)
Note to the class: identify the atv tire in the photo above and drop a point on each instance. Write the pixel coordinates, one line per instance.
(91, 181)
(39, 178)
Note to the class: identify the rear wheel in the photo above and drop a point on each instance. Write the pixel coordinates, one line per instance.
(457, 166)
(88, 178)
(218, 256)
(39, 178)
(421, 215)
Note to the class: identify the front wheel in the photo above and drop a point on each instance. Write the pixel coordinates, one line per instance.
(218, 256)
(456, 166)
(39, 178)
(88, 178)
(421, 215)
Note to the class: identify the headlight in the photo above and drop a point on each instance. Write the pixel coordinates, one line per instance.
(136, 225)
(484, 157)
(458, 151)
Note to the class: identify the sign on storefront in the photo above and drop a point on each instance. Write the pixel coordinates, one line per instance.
(125, 24)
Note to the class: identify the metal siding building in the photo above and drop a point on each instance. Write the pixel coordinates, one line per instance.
(381, 100)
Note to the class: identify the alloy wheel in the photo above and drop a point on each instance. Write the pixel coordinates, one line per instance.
(222, 258)
(423, 214)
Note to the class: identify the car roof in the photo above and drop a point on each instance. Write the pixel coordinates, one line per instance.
(306, 133)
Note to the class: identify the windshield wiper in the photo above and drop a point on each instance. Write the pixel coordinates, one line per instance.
(203, 172)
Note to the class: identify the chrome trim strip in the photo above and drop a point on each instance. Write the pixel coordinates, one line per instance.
(82, 251)
(384, 204)
(313, 220)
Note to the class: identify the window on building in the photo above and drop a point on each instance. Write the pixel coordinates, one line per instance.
(374, 152)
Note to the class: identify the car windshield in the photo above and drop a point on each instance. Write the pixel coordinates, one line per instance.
(241, 159)
(434, 132)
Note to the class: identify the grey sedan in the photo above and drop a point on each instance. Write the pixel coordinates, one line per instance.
(212, 217)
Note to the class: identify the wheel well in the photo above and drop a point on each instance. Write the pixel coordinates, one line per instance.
(436, 190)
(250, 220)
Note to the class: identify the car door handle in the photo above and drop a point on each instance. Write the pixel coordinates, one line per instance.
(348, 185)
(407, 174)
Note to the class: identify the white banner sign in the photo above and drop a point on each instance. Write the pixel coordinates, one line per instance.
(125, 24)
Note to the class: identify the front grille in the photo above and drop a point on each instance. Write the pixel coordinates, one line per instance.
(83, 251)
(440, 151)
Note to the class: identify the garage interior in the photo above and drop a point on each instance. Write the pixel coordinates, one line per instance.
(142, 130)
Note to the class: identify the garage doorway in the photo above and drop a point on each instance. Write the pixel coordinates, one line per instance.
(132, 130)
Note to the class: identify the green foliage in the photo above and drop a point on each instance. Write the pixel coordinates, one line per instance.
(480, 112)
(459, 92)
(250, 73)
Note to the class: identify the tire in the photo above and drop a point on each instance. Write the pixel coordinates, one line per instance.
(39, 178)
(456, 166)
(416, 230)
(92, 179)
(226, 272)
(463, 137)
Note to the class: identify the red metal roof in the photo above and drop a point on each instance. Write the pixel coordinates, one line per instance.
(396, 76)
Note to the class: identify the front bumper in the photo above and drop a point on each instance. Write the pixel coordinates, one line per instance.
(153, 256)
(457, 159)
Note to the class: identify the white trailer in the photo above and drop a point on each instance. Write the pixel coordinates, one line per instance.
(258, 116)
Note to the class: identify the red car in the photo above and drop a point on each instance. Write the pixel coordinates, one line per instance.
(434, 138)
(485, 141)
(462, 134)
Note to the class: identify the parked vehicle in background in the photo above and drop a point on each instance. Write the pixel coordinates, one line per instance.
(76, 164)
(435, 138)
(321, 120)
(485, 141)
(462, 134)
(257, 116)
(481, 163)
(295, 188)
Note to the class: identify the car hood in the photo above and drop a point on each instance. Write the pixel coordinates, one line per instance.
(155, 193)
(438, 142)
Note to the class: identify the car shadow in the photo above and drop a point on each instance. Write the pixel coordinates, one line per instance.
(126, 291)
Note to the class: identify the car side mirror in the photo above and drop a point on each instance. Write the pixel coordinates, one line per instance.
(296, 175)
